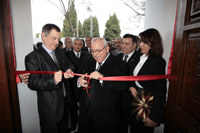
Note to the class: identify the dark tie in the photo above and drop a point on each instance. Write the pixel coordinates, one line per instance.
(55, 60)
(126, 57)
(99, 66)
(78, 55)
(90, 50)
(54, 57)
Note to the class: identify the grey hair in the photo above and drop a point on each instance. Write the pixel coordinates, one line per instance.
(117, 38)
(68, 38)
(77, 39)
(102, 39)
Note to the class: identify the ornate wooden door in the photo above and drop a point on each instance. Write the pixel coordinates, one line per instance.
(183, 105)
(9, 106)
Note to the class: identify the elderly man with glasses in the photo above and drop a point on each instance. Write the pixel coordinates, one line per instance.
(99, 104)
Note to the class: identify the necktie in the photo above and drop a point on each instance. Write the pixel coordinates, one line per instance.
(55, 60)
(54, 57)
(78, 55)
(126, 57)
(90, 50)
(98, 66)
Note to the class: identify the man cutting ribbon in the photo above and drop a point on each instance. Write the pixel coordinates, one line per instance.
(99, 112)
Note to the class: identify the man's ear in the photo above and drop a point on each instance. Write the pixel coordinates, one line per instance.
(107, 48)
(43, 35)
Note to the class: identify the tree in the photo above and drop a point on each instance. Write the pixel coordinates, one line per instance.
(37, 35)
(67, 30)
(86, 27)
(112, 27)
(138, 7)
(65, 13)
(80, 34)
(95, 26)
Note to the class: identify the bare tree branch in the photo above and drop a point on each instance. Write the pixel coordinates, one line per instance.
(66, 14)
(134, 10)
(56, 6)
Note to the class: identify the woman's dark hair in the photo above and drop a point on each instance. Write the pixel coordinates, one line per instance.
(153, 39)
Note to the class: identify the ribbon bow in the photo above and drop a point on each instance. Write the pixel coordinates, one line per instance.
(143, 106)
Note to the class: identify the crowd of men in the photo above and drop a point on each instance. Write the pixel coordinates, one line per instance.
(67, 103)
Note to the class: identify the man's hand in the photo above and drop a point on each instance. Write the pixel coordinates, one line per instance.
(95, 75)
(82, 81)
(68, 74)
(149, 123)
(133, 91)
(57, 77)
(24, 77)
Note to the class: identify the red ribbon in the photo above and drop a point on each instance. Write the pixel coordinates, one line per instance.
(114, 78)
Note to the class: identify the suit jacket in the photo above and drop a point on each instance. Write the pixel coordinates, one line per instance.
(155, 66)
(77, 63)
(85, 49)
(104, 102)
(126, 96)
(50, 96)
(66, 49)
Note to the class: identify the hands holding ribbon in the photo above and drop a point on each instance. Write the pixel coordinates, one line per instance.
(24, 77)
(58, 75)
(68, 74)
(95, 75)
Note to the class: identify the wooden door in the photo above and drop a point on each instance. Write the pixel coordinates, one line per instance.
(9, 105)
(183, 105)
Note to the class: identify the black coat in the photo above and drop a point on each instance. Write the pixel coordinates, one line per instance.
(77, 62)
(126, 96)
(105, 97)
(50, 96)
(85, 49)
(155, 66)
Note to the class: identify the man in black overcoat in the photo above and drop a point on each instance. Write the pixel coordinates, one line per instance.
(77, 57)
(53, 90)
(99, 106)
(129, 55)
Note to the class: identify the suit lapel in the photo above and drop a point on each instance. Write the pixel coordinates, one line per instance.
(107, 62)
(143, 67)
(47, 57)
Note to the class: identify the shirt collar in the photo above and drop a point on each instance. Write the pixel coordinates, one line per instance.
(77, 53)
(48, 51)
(103, 61)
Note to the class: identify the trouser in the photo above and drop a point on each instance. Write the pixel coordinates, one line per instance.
(60, 127)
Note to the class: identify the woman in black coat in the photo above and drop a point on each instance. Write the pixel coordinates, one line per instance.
(150, 63)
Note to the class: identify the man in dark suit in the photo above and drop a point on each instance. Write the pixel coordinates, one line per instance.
(68, 44)
(88, 43)
(53, 93)
(129, 55)
(77, 57)
(99, 106)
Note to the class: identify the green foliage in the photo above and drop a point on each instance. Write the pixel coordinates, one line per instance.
(37, 35)
(67, 31)
(79, 29)
(112, 27)
(86, 27)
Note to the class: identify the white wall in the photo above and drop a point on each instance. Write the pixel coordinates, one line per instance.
(160, 14)
(22, 28)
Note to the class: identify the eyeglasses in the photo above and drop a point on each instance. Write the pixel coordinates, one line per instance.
(97, 51)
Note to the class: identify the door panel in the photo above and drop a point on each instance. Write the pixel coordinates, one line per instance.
(183, 104)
